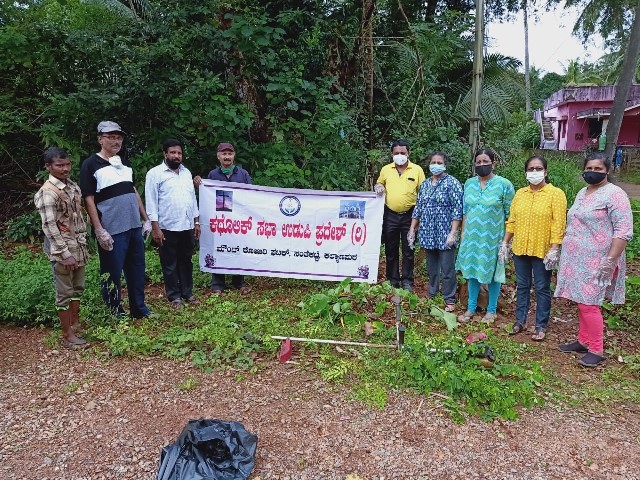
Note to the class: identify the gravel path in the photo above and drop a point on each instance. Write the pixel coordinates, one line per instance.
(73, 415)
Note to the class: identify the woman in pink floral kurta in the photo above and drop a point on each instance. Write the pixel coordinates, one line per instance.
(592, 264)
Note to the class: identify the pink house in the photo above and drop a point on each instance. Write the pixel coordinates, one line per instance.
(574, 118)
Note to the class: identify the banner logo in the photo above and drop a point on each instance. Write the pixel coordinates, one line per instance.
(290, 206)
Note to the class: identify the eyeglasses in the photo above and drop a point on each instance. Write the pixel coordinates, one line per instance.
(112, 137)
(535, 169)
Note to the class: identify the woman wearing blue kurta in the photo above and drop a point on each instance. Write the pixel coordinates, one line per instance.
(437, 217)
(487, 198)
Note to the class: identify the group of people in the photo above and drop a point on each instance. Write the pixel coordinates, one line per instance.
(496, 223)
(120, 223)
(474, 229)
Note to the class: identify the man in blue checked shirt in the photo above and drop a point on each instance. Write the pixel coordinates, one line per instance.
(173, 211)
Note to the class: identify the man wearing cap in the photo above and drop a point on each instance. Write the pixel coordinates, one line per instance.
(173, 211)
(401, 181)
(115, 209)
(227, 172)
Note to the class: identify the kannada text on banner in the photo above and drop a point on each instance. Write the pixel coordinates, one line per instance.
(283, 232)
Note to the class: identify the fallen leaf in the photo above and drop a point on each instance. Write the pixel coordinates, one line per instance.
(368, 328)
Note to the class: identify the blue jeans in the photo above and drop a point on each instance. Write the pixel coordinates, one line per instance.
(128, 256)
(525, 267)
(442, 261)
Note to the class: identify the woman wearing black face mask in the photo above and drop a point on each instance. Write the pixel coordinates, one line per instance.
(487, 199)
(592, 262)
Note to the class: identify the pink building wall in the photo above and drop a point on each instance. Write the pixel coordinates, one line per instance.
(564, 107)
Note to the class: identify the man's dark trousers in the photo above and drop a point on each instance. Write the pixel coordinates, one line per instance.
(177, 268)
(395, 227)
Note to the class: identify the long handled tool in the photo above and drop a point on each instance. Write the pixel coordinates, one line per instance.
(285, 346)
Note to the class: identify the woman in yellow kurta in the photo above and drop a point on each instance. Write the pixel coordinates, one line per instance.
(536, 223)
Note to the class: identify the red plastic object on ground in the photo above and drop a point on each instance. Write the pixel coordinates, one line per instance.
(474, 337)
(285, 351)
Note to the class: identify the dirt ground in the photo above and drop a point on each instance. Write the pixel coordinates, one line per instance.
(76, 415)
(632, 189)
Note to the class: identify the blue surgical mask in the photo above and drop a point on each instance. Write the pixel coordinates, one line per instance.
(436, 169)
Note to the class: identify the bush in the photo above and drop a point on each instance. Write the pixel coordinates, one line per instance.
(27, 293)
(26, 227)
(510, 137)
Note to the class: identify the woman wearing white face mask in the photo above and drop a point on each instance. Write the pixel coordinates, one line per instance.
(437, 217)
(536, 223)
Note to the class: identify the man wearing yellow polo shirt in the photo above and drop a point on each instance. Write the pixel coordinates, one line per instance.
(401, 181)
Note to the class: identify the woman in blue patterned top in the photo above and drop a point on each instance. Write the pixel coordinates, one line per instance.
(437, 217)
(487, 200)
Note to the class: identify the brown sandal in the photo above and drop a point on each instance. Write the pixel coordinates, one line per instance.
(516, 329)
(538, 335)
(466, 317)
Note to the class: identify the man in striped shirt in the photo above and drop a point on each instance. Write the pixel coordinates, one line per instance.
(115, 209)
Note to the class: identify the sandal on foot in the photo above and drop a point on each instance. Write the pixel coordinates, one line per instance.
(177, 303)
(465, 317)
(538, 335)
(591, 360)
(449, 307)
(193, 300)
(573, 347)
(489, 318)
(516, 328)
(77, 343)
(244, 290)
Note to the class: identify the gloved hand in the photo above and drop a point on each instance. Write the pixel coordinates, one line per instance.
(104, 239)
(504, 253)
(146, 228)
(604, 273)
(411, 238)
(451, 239)
(551, 259)
(379, 189)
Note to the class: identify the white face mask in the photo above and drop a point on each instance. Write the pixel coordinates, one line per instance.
(116, 161)
(535, 178)
(400, 159)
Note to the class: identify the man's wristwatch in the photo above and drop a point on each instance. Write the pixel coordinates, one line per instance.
(196, 223)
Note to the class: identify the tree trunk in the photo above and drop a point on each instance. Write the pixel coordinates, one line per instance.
(527, 73)
(623, 85)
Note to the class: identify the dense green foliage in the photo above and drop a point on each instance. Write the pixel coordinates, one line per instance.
(287, 82)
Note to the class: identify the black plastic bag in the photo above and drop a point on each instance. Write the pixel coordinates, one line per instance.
(209, 450)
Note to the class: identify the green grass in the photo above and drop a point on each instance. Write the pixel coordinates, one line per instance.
(234, 332)
(630, 177)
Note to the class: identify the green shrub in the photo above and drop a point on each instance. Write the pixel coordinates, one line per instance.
(27, 293)
(26, 227)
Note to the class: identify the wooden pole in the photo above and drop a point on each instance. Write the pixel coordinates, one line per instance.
(476, 85)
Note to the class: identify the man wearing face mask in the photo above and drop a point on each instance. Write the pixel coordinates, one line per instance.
(400, 181)
(114, 207)
(173, 211)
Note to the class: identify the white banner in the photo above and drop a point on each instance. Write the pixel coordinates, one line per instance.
(284, 232)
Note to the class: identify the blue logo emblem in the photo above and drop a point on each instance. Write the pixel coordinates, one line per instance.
(290, 205)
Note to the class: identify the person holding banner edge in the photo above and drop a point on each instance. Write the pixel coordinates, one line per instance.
(400, 180)
(227, 172)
